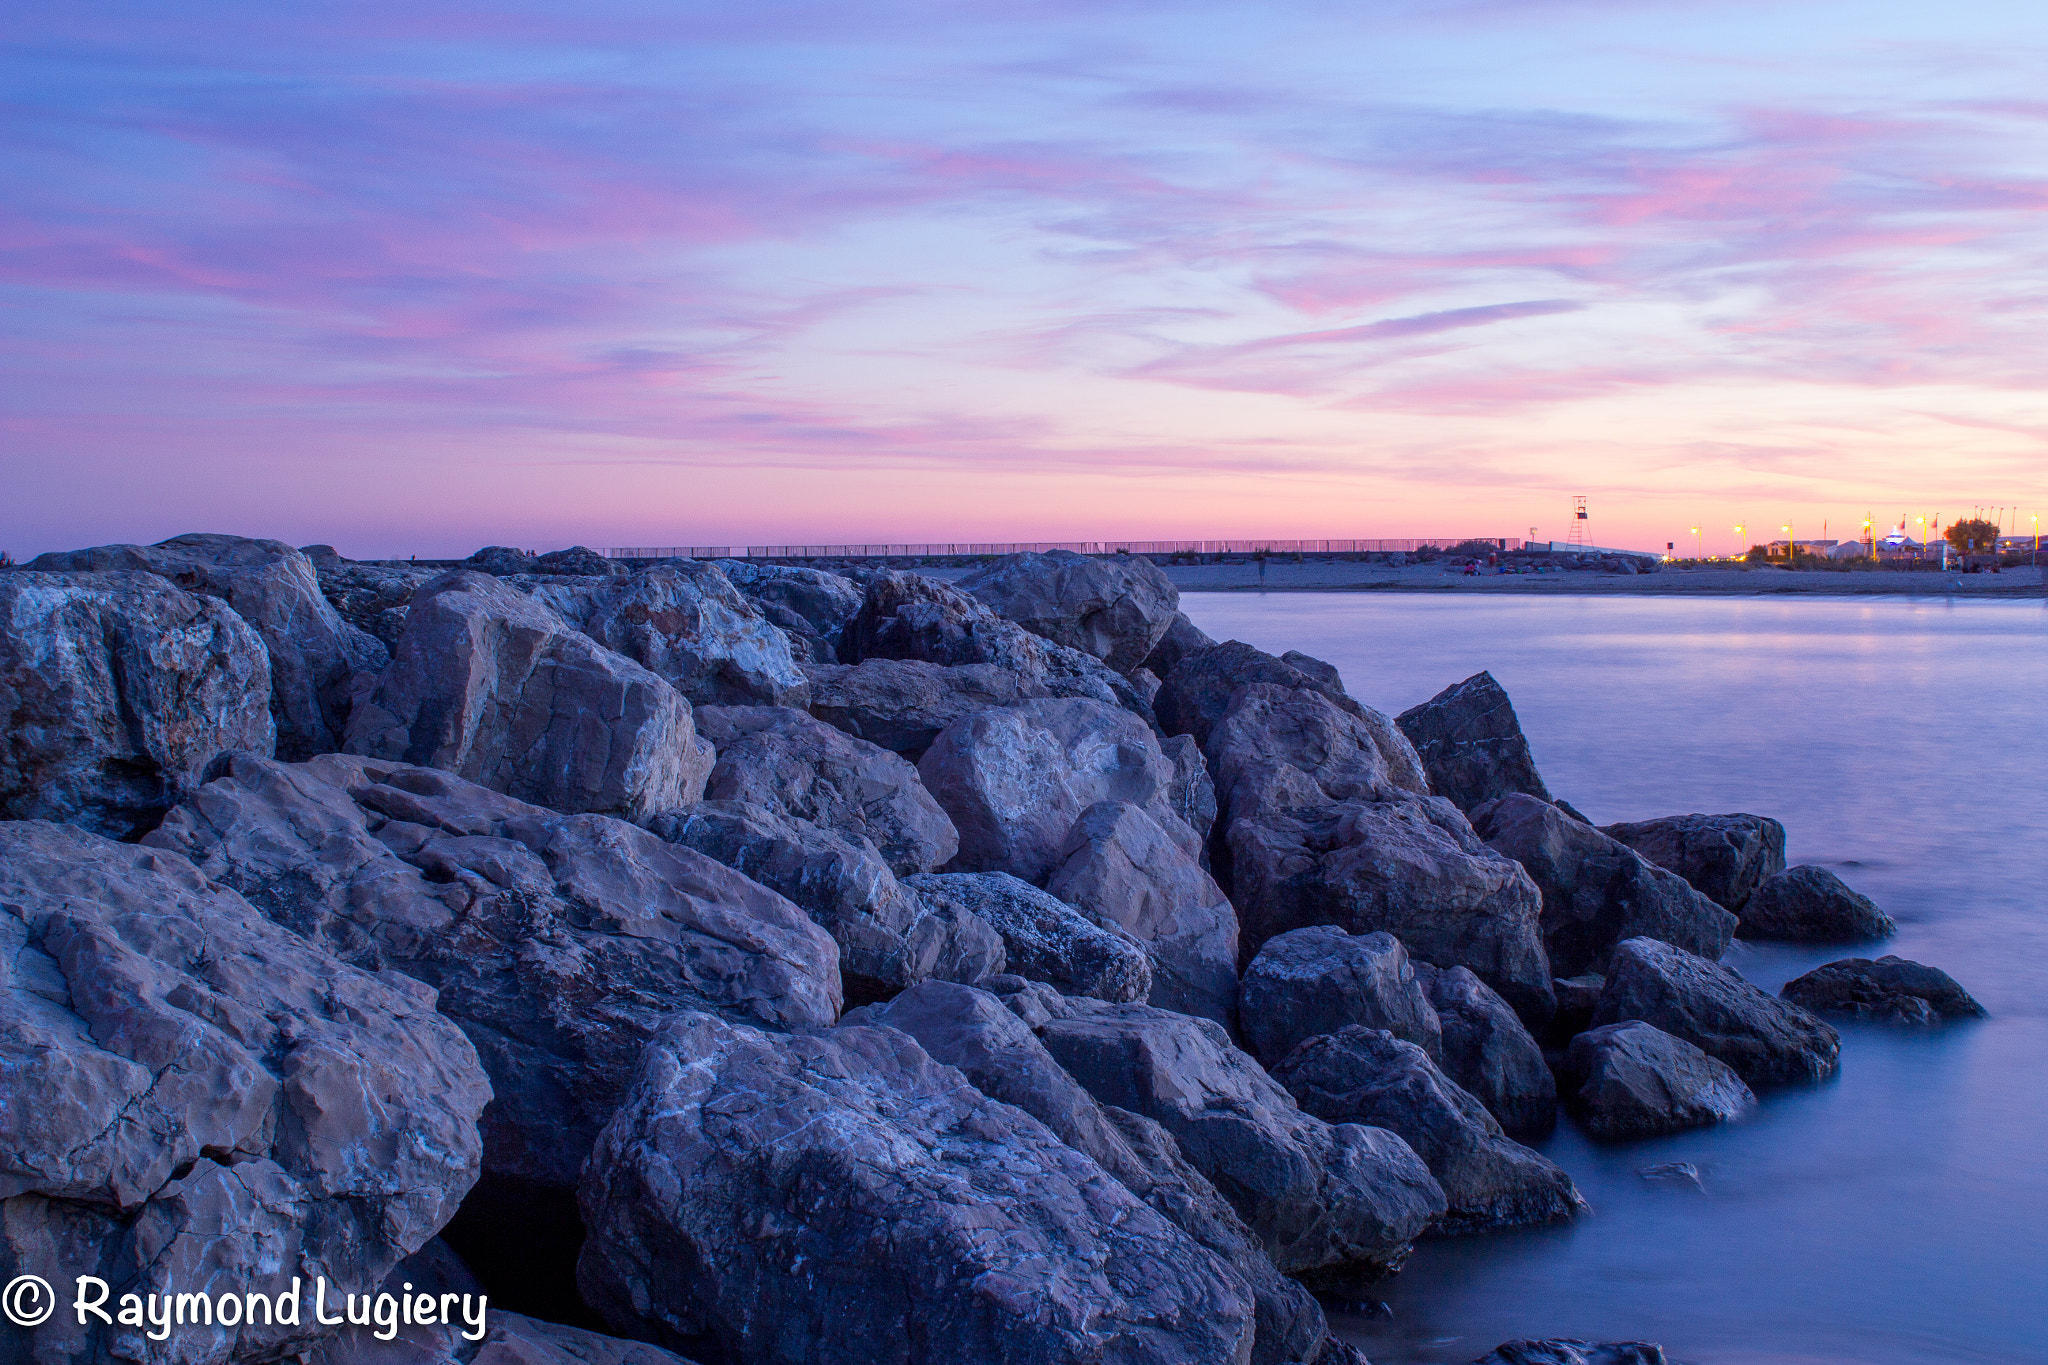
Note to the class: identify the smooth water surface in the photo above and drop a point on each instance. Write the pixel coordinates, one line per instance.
(1896, 1214)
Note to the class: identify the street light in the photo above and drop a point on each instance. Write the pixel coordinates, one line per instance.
(1699, 546)
(1870, 534)
(1739, 552)
(1791, 548)
(1923, 537)
(2037, 540)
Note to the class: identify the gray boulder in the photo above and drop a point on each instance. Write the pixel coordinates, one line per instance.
(1809, 904)
(1890, 990)
(1181, 638)
(1015, 778)
(1280, 747)
(198, 1099)
(1632, 1080)
(1765, 1041)
(373, 598)
(841, 1197)
(902, 704)
(495, 687)
(316, 658)
(1596, 890)
(1044, 938)
(577, 561)
(1571, 1351)
(1123, 870)
(774, 756)
(810, 606)
(1488, 1052)
(1368, 1076)
(1115, 609)
(1192, 795)
(559, 943)
(501, 561)
(118, 689)
(1333, 1198)
(1317, 980)
(1724, 856)
(1471, 744)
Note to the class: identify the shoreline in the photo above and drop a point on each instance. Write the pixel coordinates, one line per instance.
(2011, 584)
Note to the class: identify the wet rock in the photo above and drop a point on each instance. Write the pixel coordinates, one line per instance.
(559, 943)
(316, 658)
(1318, 980)
(1181, 638)
(1765, 1041)
(1044, 938)
(843, 1197)
(501, 561)
(1319, 1196)
(1677, 1173)
(810, 606)
(1471, 744)
(1596, 890)
(1116, 609)
(1890, 990)
(1812, 905)
(1571, 1351)
(775, 756)
(1724, 856)
(1368, 1076)
(577, 561)
(495, 687)
(1121, 869)
(213, 1098)
(1632, 1080)
(118, 690)
(1488, 1052)
(1014, 779)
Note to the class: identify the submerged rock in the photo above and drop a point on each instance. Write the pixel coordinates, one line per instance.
(1890, 990)
(1812, 905)
(1471, 744)
(1115, 609)
(1723, 856)
(1764, 1040)
(1631, 1080)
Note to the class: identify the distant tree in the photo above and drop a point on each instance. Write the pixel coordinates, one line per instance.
(1973, 535)
(1474, 549)
(1758, 554)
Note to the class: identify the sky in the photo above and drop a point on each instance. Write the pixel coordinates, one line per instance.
(411, 278)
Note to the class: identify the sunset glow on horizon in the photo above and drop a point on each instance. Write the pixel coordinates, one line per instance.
(409, 279)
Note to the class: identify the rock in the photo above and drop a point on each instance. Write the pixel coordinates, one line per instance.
(1632, 1080)
(1277, 748)
(1181, 638)
(1571, 1351)
(683, 622)
(1368, 1076)
(1003, 1058)
(1677, 1173)
(810, 606)
(1321, 1197)
(841, 1197)
(1044, 938)
(1192, 795)
(774, 756)
(1890, 990)
(1121, 869)
(496, 688)
(902, 704)
(559, 943)
(374, 598)
(316, 657)
(1015, 778)
(1116, 609)
(1488, 1052)
(1723, 856)
(1321, 673)
(1317, 980)
(213, 1099)
(1765, 1041)
(1577, 998)
(1812, 905)
(500, 561)
(1471, 744)
(880, 926)
(1596, 890)
(577, 561)
(118, 689)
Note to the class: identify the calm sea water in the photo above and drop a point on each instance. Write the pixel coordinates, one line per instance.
(1897, 1215)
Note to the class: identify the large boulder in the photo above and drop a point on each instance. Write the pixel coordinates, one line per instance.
(1015, 778)
(841, 1197)
(810, 606)
(1596, 890)
(199, 1101)
(1723, 856)
(374, 598)
(1809, 904)
(1121, 868)
(1321, 1197)
(1632, 1080)
(1472, 745)
(1181, 638)
(501, 561)
(1890, 990)
(902, 704)
(1044, 938)
(493, 686)
(774, 756)
(1765, 1041)
(1488, 1052)
(1115, 609)
(559, 943)
(1279, 747)
(118, 689)
(577, 561)
(1000, 1056)
(1317, 980)
(316, 658)
(1367, 1075)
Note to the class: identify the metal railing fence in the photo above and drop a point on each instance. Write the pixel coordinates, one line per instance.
(969, 549)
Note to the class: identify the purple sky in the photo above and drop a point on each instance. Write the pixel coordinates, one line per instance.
(410, 278)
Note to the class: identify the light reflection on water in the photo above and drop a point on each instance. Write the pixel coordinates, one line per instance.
(1897, 1215)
